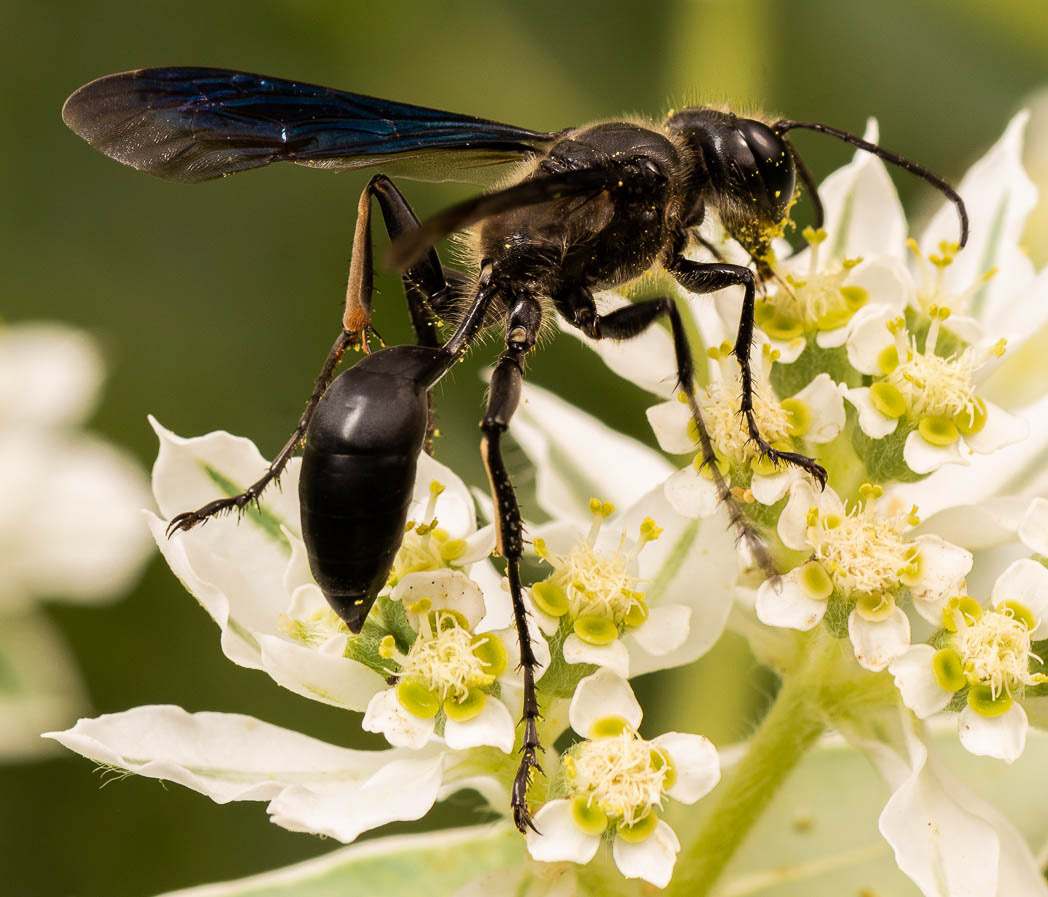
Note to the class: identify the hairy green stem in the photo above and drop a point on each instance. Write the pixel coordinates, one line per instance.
(792, 725)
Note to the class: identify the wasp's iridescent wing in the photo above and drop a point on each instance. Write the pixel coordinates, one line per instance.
(193, 124)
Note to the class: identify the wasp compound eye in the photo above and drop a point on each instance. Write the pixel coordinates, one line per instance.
(770, 172)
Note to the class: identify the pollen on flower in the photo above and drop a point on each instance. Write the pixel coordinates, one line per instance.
(426, 546)
(446, 659)
(995, 650)
(863, 551)
(595, 589)
(818, 301)
(618, 776)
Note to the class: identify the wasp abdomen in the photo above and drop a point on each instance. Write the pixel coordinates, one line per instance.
(358, 472)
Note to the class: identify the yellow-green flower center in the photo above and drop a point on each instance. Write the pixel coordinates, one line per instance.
(617, 776)
(995, 650)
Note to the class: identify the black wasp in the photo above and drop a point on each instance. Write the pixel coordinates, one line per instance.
(589, 208)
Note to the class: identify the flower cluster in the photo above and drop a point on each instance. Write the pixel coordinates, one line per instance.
(887, 358)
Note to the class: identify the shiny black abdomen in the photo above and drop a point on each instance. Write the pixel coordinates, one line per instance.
(358, 471)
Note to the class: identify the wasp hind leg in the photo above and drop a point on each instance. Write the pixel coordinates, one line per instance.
(430, 290)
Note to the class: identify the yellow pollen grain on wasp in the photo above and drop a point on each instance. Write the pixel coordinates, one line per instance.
(444, 659)
(863, 552)
(996, 651)
(617, 775)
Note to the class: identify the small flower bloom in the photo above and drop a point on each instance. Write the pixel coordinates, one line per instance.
(814, 415)
(933, 398)
(613, 784)
(592, 596)
(821, 295)
(860, 559)
(444, 675)
(985, 662)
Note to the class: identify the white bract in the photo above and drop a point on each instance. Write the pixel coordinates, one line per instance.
(985, 657)
(613, 784)
(252, 575)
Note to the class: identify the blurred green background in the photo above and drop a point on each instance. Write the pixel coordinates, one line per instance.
(215, 303)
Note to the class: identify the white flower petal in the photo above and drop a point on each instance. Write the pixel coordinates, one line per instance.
(696, 765)
(871, 421)
(999, 195)
(402, 789)
(232, 757)
(943, 567)
(688, 553)
(572, 450)
(613, 657)
(769, 489)
(70, 515)
(1002, 428)
(387, 716)
(915, 679)
(1025, 581)
(783, 601)
(600, 695)
(1033, 530)
(878, 644)
(445, 589)
(869, 337)
(691, 494)
(646, 360)
(793, 521)
(322, 675)
(986, 525)
(492, 726)
(862, 184)
(455, 510)
(923, 457)
(887, 282)
(1002, 737)
(827, 407)
(945, 848)
(561, 840)
(50, 375)
(669, 422)
(665, 630)
(652, 859)
(188, 473)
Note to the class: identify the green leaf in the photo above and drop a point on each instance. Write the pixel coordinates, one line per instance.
(435, 864)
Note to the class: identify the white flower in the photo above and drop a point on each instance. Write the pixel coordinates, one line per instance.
(69, 519)
(860, 558)
(814, 415)
(252, 575)
(311, 786)
(614, 783)
(946, 838)
(986, 658)
(933, 397)
(70, 524)
(444, 670)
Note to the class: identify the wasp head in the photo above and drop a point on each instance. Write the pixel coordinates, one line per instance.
(744, 169)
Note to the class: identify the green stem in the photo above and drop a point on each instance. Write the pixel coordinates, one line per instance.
(796, 719)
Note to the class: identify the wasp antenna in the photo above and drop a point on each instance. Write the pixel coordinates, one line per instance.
(809, 183)
(781, 127)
